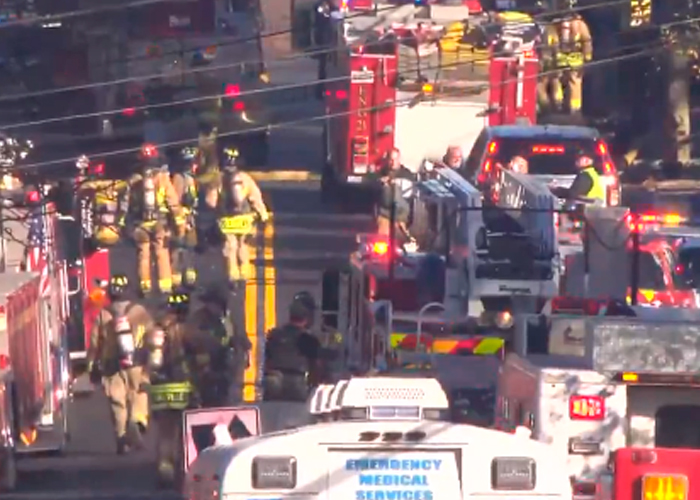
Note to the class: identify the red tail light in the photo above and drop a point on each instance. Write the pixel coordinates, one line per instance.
(492, 147)
(129, 111)
(586, 408)
(239, 106)
(33, 197)
(341, 95)
(486, 169)
(232, 90)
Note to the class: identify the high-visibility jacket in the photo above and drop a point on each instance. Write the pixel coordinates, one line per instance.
(597, 191)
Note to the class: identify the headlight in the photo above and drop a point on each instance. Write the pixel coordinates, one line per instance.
(274, 473)
(513, 473)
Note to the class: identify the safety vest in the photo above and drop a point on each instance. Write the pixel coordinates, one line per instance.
(597, 191)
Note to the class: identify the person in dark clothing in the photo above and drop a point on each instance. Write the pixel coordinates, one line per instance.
(394, 178)
(292, 354)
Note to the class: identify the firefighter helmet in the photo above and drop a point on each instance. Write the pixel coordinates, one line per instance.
(231, 160)
(117, 286)
(179, 302)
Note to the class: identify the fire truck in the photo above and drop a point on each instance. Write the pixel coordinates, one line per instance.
(384, 91)
(593, 384)
(458, 291)
(34, 375)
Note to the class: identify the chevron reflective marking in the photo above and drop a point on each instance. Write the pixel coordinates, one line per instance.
(407, 341)
(490, 345)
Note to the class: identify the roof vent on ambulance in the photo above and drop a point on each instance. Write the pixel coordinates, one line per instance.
(392, 398)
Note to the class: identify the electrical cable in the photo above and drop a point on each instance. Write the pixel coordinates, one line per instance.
(247, 92)
(468, 91)
(251, 62)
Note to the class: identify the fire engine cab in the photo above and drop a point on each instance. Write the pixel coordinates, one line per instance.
(594, 384)
(456, 293)
(399, 80)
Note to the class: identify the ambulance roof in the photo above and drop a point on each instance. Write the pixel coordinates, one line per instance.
(311, 445)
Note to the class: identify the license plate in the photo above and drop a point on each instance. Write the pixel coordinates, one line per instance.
(240, 224)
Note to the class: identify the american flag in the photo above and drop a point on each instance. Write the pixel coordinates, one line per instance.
(42, 256)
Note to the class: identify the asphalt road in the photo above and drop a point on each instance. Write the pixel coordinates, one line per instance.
(303, 238)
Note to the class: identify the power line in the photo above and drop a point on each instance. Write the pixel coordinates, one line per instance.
(405, 102)
(244, 93)
(254, 61)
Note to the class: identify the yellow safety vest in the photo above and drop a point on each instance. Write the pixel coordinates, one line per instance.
(597, 191)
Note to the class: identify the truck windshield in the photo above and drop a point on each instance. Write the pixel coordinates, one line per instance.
(676, 427)
(548, 155)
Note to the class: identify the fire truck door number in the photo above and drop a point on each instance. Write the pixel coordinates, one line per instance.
(361, 77)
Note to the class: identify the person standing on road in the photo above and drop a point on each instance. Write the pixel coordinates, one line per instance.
(292, 354)
(116, 358)
(236, 194)
(152, 203)
(185, 184)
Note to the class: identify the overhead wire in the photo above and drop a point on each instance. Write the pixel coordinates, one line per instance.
(252, 61)
(244, 93)
(466, 92)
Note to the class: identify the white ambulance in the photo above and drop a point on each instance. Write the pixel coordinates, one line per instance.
(591, 385)
(389, 444)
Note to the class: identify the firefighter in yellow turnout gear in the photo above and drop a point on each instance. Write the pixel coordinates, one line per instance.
(569, 46)
(116, 359)
(154, 206)
(236, 198)
(171, 389)
(185, 184)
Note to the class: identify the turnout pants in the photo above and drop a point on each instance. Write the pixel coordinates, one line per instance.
(573, 80)
(128, 404)
(237, 256)
(153, 236)
(169, 452)
(183, 259)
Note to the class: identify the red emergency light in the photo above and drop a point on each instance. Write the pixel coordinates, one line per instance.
(129, 111)
(586, 407)
(232, 90)
(149, 151)
(548, 150)
(239, 106)
(4, 361)
(380, 248)
(98, 169)
(640, 222)
(33, 197)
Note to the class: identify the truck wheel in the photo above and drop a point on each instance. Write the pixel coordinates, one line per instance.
(8, 473)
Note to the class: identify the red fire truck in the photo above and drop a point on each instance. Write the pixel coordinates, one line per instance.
(381, 95)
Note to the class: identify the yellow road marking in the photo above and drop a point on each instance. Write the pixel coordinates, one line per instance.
(270, 279)
(251, 328)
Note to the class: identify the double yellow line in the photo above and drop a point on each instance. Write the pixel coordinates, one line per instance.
(261, 290)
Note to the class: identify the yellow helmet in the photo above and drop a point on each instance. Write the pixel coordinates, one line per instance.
(107, 235)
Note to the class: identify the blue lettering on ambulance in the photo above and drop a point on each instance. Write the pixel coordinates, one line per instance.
(377, 486)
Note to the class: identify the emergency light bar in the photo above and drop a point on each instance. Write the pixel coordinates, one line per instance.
(642, 222)
(661, 379)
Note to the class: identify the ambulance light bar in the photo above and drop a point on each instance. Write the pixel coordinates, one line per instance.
(661, 379)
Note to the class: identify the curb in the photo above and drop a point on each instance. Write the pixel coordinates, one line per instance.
(285, 176)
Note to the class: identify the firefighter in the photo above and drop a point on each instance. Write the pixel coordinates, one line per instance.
(292, 353)
(153, 205)
(172, 386)
(587, 187)
(548, 82)
(573, 48)
(185, 184)
(115, 356)
(235, 194)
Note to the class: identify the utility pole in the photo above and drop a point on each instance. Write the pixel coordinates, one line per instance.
(392, 234)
